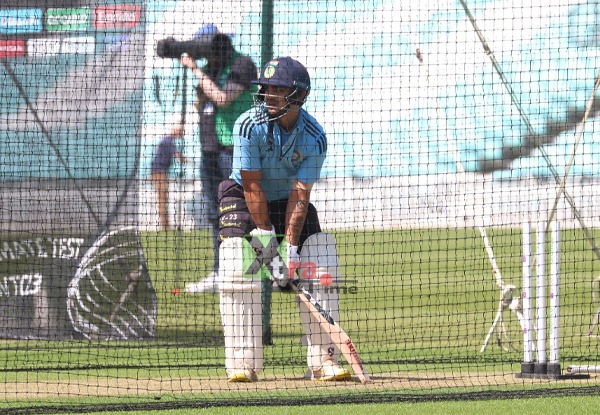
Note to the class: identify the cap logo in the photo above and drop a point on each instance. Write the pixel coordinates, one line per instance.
(270, 69)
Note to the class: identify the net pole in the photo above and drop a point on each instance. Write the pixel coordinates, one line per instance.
(266, 55)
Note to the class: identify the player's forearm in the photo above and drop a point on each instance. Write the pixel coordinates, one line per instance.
(259, 210)
(295, 215)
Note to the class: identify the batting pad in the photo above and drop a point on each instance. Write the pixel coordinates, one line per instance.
(319, 258)
(320, 274)
(241, 310)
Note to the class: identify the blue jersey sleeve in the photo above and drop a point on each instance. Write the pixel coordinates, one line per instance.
(310, 169)
(246, 154)
(249, 154)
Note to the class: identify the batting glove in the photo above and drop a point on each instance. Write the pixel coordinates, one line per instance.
(258, 231)
(293, 261)
(268, 250)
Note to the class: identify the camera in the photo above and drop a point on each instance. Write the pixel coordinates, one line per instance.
(171, 48)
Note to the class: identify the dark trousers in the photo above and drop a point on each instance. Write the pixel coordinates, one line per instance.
(235, 219)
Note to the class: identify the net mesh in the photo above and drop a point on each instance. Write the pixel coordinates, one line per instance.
(451, 129)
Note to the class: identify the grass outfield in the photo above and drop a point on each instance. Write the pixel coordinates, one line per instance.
(418, 304)
(412, 295)
(581, 405)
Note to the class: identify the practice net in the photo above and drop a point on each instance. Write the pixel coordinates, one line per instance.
(457, 201)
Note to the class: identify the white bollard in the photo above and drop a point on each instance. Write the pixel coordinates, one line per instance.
(554, 362)
(541, 368)
(526, 295)
(540, 298)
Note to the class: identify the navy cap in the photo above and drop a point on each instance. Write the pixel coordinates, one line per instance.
(286, 72)
(207, 29)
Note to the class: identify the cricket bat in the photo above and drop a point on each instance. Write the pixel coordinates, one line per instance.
(337, 335)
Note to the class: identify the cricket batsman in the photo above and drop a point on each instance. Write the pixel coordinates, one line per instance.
(279, 150)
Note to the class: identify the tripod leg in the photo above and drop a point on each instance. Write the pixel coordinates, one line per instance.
(594, 322)
(489, 335)
(503, 336)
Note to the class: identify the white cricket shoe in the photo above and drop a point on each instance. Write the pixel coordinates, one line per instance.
(210, 284)
(243, 375)
(329, 371)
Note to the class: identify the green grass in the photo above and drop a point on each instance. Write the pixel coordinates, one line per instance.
(417, 301)
(556, 406)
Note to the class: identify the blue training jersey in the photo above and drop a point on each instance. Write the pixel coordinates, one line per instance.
(280, 160)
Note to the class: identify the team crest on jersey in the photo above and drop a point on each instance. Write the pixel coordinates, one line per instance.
(296, 157)
(270, 69)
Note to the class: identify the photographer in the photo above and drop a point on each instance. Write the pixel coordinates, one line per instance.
(224, 91)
